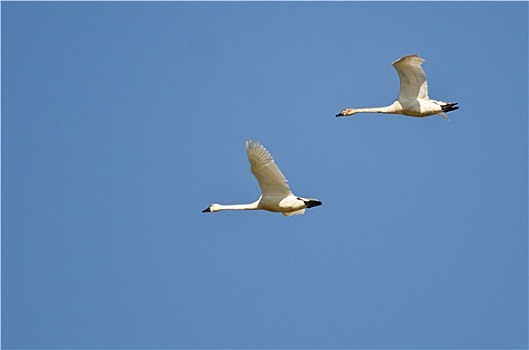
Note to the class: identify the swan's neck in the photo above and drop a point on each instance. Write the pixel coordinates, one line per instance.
(393, 108)
(219, 207)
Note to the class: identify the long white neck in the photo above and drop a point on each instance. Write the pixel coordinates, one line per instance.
(393, 108)
(219, 207)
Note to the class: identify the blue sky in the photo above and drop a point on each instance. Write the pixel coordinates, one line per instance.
(122, 121)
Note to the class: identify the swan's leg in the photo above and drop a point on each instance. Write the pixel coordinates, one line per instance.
(444, 116)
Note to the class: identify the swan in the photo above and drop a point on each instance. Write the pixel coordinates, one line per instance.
(413, 98)
(276, 195)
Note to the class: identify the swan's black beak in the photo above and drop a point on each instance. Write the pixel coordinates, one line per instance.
(339, 114)
(206, 210)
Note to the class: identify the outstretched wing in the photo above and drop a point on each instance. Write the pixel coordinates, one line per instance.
(270, 178)
(413, 82)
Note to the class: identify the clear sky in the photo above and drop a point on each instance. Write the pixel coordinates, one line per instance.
(122, 121)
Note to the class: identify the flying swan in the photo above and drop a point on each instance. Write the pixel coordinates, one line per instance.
(276, 195)
(413, 98)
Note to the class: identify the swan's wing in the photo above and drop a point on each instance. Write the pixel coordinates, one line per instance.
(413, 82)
(270, 178)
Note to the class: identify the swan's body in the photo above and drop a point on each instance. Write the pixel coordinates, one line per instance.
(276, 195)
(413, 98)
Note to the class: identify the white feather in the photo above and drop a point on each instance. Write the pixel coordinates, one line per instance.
(413, 97)
(276, 195)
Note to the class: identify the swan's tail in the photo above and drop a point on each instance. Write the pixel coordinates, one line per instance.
(297, 212)
(447, 107)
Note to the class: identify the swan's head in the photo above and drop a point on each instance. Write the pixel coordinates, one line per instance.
(346, 112)
(212, 208)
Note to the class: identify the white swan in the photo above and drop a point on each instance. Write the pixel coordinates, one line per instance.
(413, 98)
(276, 195)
